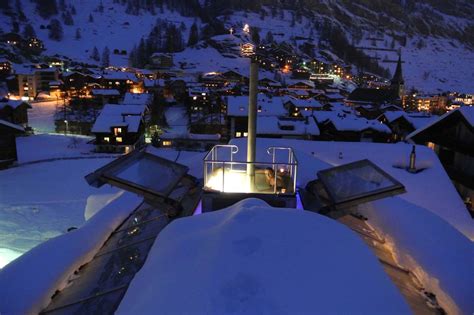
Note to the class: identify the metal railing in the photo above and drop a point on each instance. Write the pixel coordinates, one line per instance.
(223, 173)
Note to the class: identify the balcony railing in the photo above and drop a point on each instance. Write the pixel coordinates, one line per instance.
(224, 173)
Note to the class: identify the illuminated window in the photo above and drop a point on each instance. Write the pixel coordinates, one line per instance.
(166, 143)
(119, 139)
(431, 145)
(245, 134)
(117, 131)
(107, 139)
(238, 134)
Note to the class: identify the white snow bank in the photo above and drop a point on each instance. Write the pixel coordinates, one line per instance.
(430, 189)
(254, 259)
(27, 284)
(439, 255)
(44, 146)
(95, 203)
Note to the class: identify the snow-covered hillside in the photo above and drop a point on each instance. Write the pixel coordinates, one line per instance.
(432, 63)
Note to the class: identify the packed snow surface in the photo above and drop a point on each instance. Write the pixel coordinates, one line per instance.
(46, 195)
(254, 259)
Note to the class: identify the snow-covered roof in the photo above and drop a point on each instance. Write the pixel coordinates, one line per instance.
(266, 261)
(272, 125)
(105, 92)
(12, 103)
(113, 115)
(137, 99)
(152, 83)
(466, 111)
(120, 75)
(238, 105)
(28, 283)
(348, 122)
(309, 103)
(10, 125)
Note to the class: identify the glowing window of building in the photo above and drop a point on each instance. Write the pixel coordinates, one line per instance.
(238, 134)
(107, 139)
(117, 131)
(119, 139)
(431, 145)
(245, 134)
(166, 143)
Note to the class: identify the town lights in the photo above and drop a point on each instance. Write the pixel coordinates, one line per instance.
(246, 28)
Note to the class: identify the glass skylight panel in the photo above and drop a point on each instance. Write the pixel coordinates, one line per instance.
(358, 181)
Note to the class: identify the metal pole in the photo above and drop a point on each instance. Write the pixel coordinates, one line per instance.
(252, 119)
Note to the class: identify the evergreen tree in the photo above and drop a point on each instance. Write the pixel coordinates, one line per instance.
(73, 10)
(68, 18)
(29, 31)
(269, 37)
(19, 10)
(255, 34)
(62, 5)
(15, 26)
(56, 30)
(46, 8)
(106, 57)
(193, 35)
(91, 18)
(78, 34)
(100, 8)
(95, 54)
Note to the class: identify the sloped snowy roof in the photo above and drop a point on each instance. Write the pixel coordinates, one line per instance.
(272, 125)
(12, 103)
(254, 259)
(137, 98)
(238, 106)
(119, 116)
(352, 123)
(310, 103)
(28, 283)
(466, 111)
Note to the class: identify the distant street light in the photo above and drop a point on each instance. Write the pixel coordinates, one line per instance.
(67, 125)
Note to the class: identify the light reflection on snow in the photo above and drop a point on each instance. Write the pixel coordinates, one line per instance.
(7, 255)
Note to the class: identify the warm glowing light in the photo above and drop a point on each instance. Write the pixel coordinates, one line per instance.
(246, 28)
(229, 181)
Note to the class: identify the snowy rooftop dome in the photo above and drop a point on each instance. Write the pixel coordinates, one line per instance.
(251, 258)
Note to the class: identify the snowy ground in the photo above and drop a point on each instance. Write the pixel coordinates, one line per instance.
(40, 200)
(41, 116)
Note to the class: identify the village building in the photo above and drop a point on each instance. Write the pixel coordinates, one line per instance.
(14, 111)
(119, 128)
(451, 136)
(402, 123)
(162, 61)
(341, 126)
(121, 81)
(304, 128)
(106, 96)
(32, 81)
(237, 112)
(8, 133)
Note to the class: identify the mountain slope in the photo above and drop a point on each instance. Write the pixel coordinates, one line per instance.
(434, 37)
